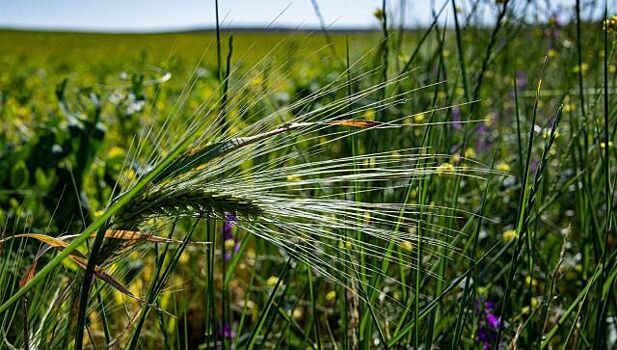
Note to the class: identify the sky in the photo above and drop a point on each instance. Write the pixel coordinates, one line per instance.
(161, 15)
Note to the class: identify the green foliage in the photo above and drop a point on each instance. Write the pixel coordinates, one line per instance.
(448, 187)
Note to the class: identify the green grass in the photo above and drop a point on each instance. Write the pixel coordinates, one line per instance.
(389, 192)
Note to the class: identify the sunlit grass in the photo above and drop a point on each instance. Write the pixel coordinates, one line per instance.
(453, 189)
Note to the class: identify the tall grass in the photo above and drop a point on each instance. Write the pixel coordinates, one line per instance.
(453, 187)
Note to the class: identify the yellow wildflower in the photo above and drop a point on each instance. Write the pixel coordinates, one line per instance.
(344, 244)
(488, 120)
(455, 158)
(293, 178)
(331, 295)
(509, 235)
(582, 68)
(297, 313)
(503, 167)
(115, 152)
(546, 133)
(129, 175)
(184, 257)
(272, 281)
(369, 114)
(552, 53)
(407, 245)
(256, 82)
(230, 244)
(445, 168)
(610, 24)
(419, 118)
(369, 162)
(470, 152)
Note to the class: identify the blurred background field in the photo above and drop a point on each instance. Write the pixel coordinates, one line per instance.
(73, 104)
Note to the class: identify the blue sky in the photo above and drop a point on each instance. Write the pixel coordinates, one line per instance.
(147, 15)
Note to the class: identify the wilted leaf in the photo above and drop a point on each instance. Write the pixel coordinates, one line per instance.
(82, 261)
(76, 257)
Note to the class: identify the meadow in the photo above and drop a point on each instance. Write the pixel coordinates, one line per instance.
(445, 187)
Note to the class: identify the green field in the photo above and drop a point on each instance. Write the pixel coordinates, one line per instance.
(443, 187)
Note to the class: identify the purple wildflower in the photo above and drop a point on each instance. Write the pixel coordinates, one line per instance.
(225, 332)
(521, 80)
(228, 332)
(483, 143)
(228, 235)
(456, 117)
(484, 131)
(493, 321)
(533, 166)
(489, 324)
(228, 225)
(484, 337)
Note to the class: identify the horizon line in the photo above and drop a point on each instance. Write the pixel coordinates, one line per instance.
(212, 28)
